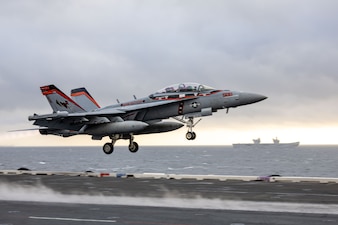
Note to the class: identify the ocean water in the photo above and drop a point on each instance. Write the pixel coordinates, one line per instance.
(308, 161)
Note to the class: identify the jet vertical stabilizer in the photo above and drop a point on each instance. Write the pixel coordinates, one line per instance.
(60, 101)
(83, 98)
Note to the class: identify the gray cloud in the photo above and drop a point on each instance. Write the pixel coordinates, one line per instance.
(284, 49)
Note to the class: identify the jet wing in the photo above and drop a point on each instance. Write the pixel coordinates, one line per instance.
(64, 114)
(74, 121)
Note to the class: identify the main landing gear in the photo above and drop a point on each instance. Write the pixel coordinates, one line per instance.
(108, 148)
(190, 135)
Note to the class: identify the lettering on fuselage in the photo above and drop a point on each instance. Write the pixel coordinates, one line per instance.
(227, 94)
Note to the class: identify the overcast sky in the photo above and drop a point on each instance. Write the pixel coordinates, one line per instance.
(286, 50)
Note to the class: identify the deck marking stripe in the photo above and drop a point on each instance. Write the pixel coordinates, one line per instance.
(71, 219)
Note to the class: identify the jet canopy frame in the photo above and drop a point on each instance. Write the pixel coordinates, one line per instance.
(185, 87)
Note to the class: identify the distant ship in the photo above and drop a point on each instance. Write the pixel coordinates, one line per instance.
(257, 143)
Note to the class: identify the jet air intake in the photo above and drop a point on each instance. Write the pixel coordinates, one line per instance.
(124, 127)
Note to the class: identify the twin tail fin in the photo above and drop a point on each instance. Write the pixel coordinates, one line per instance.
(81, 100)
(59, 101)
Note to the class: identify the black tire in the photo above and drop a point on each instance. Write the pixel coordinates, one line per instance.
(108, 148)
(133, 147)
(193, 136)
(189, 135)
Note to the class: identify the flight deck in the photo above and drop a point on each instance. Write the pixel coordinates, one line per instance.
(34, 197)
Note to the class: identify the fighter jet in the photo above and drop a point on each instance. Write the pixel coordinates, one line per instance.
(82, 115)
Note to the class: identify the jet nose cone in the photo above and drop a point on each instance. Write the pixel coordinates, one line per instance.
(249, 98)
(257, 97)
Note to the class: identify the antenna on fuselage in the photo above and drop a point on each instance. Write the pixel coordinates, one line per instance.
(118, 101)
(134, 97)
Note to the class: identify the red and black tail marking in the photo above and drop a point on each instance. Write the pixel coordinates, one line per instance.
(59, 101)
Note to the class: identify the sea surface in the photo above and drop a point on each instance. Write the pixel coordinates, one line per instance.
(307, 161)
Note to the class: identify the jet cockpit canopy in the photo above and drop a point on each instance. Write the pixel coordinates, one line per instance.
(185, 87)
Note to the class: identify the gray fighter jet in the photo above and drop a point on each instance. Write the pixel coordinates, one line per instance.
(183, 102)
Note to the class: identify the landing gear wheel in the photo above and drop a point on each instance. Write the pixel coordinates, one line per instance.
(193, 136)
(133, 147)
(108, 148)
(190, 135)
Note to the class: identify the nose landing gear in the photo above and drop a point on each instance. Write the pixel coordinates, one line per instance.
(190, 135)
